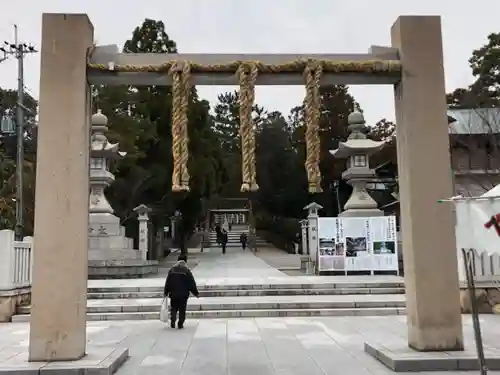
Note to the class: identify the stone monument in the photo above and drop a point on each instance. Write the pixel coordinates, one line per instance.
(312, 232)
(111, 253)
(357, 150)
(143, 212)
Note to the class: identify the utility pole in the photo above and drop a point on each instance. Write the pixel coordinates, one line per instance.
(19, 51)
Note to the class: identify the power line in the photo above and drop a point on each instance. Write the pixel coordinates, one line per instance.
(19, 51)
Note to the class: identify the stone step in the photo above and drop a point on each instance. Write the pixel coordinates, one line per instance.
(259, 286)
(247, 303)
(240, 314)
(256, 292)
(215, 245)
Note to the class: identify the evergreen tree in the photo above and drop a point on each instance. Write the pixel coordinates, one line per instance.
(140, 119)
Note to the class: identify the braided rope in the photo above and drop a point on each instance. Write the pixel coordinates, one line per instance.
(295, 66)
(245, 111)
(312, 75)
(312, 70)
(316, 139)
(247, 75)
(252, 78)
(177, 94)
(186, 92)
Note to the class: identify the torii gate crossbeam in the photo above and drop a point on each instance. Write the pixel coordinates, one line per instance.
(110, 56)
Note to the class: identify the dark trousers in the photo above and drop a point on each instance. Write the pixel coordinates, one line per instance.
(244, 245)
(178, 305)
(223, 248)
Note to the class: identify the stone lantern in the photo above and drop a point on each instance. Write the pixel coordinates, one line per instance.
(357, 150)
(101, 153)
(111, 253)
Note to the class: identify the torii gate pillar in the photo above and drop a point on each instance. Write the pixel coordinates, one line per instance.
(59, 290)
(430, 260)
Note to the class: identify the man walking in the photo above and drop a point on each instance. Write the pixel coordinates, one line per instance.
(224, 240)
(243, 240)
(180, 282)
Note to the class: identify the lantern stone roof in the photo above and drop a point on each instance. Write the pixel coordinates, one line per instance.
(356, 147)
(313, 206)
(100, 145)
(142, 209)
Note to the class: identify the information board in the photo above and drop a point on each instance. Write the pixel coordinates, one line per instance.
(357, 244)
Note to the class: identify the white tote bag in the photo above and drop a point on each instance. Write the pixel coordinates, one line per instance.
(164, 311)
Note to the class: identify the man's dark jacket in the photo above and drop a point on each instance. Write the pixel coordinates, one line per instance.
(180, 282)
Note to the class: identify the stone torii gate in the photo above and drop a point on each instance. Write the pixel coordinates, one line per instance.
(58, 320)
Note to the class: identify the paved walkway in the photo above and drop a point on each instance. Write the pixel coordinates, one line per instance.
(236, 263)
(279, 259)
(238, 267)
(263, 346)
(238, 346)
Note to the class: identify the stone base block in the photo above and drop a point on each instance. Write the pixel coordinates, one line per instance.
(98, 361)
(370, 212)
(486, 299)
(114, 254)
(105, 225)
(400, 358)
(104, 243)
(10, 300)
(122, 269)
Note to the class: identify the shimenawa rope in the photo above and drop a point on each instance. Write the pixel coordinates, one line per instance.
(247, 75)
(247, 72)
(181, 89)
(312, 75)
(186, 88)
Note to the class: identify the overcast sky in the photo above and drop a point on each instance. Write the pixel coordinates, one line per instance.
(278, 26)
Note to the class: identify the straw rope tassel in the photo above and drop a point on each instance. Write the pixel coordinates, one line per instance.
(176, 131)
(254, 72)
(312, 74)
(316, 116)
(312, 70)
(245, 128)
(184, 153)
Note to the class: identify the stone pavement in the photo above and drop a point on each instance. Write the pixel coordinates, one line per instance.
(238, 267)
(279, 259)
(263, 346)
(236, 263)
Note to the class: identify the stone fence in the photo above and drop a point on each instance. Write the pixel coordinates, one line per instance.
(16, 258)
(486, 268)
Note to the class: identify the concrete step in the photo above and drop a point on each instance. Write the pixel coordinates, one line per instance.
(247, 303)
(240, 314)
(342, 285)
(246, 293)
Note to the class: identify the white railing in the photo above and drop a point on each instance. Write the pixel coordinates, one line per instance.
(16, 261)
(486, 267)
